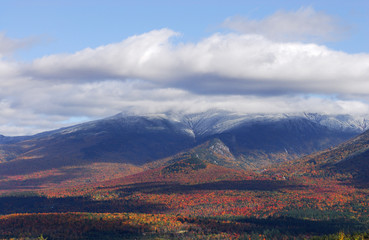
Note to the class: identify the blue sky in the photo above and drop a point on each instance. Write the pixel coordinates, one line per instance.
(69, 26)
(62, 62)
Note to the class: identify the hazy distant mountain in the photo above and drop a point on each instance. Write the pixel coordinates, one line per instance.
(251, 139)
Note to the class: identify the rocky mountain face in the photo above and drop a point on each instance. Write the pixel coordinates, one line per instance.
(243, 140)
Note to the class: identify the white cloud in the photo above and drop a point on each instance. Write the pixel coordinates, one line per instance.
(39, 106)
(141, 56)
(148, 73)
(305, 24)
(219, 64)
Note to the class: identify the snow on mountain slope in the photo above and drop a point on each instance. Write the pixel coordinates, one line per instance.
(341, 122)
(207, 123)
(216, 121)
(221, 137)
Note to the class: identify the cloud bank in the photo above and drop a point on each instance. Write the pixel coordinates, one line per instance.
(219, 64)
(257, 69)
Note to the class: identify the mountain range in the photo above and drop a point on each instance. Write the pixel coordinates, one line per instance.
(241, 140)
(284, 176)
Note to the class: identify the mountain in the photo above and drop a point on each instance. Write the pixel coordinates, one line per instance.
(348, 161)
(264, 142)
(184, 169)
(191, 172)
(226, 138)
(128, 139)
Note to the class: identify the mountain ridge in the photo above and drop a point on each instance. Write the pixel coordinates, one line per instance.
(225, 138)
